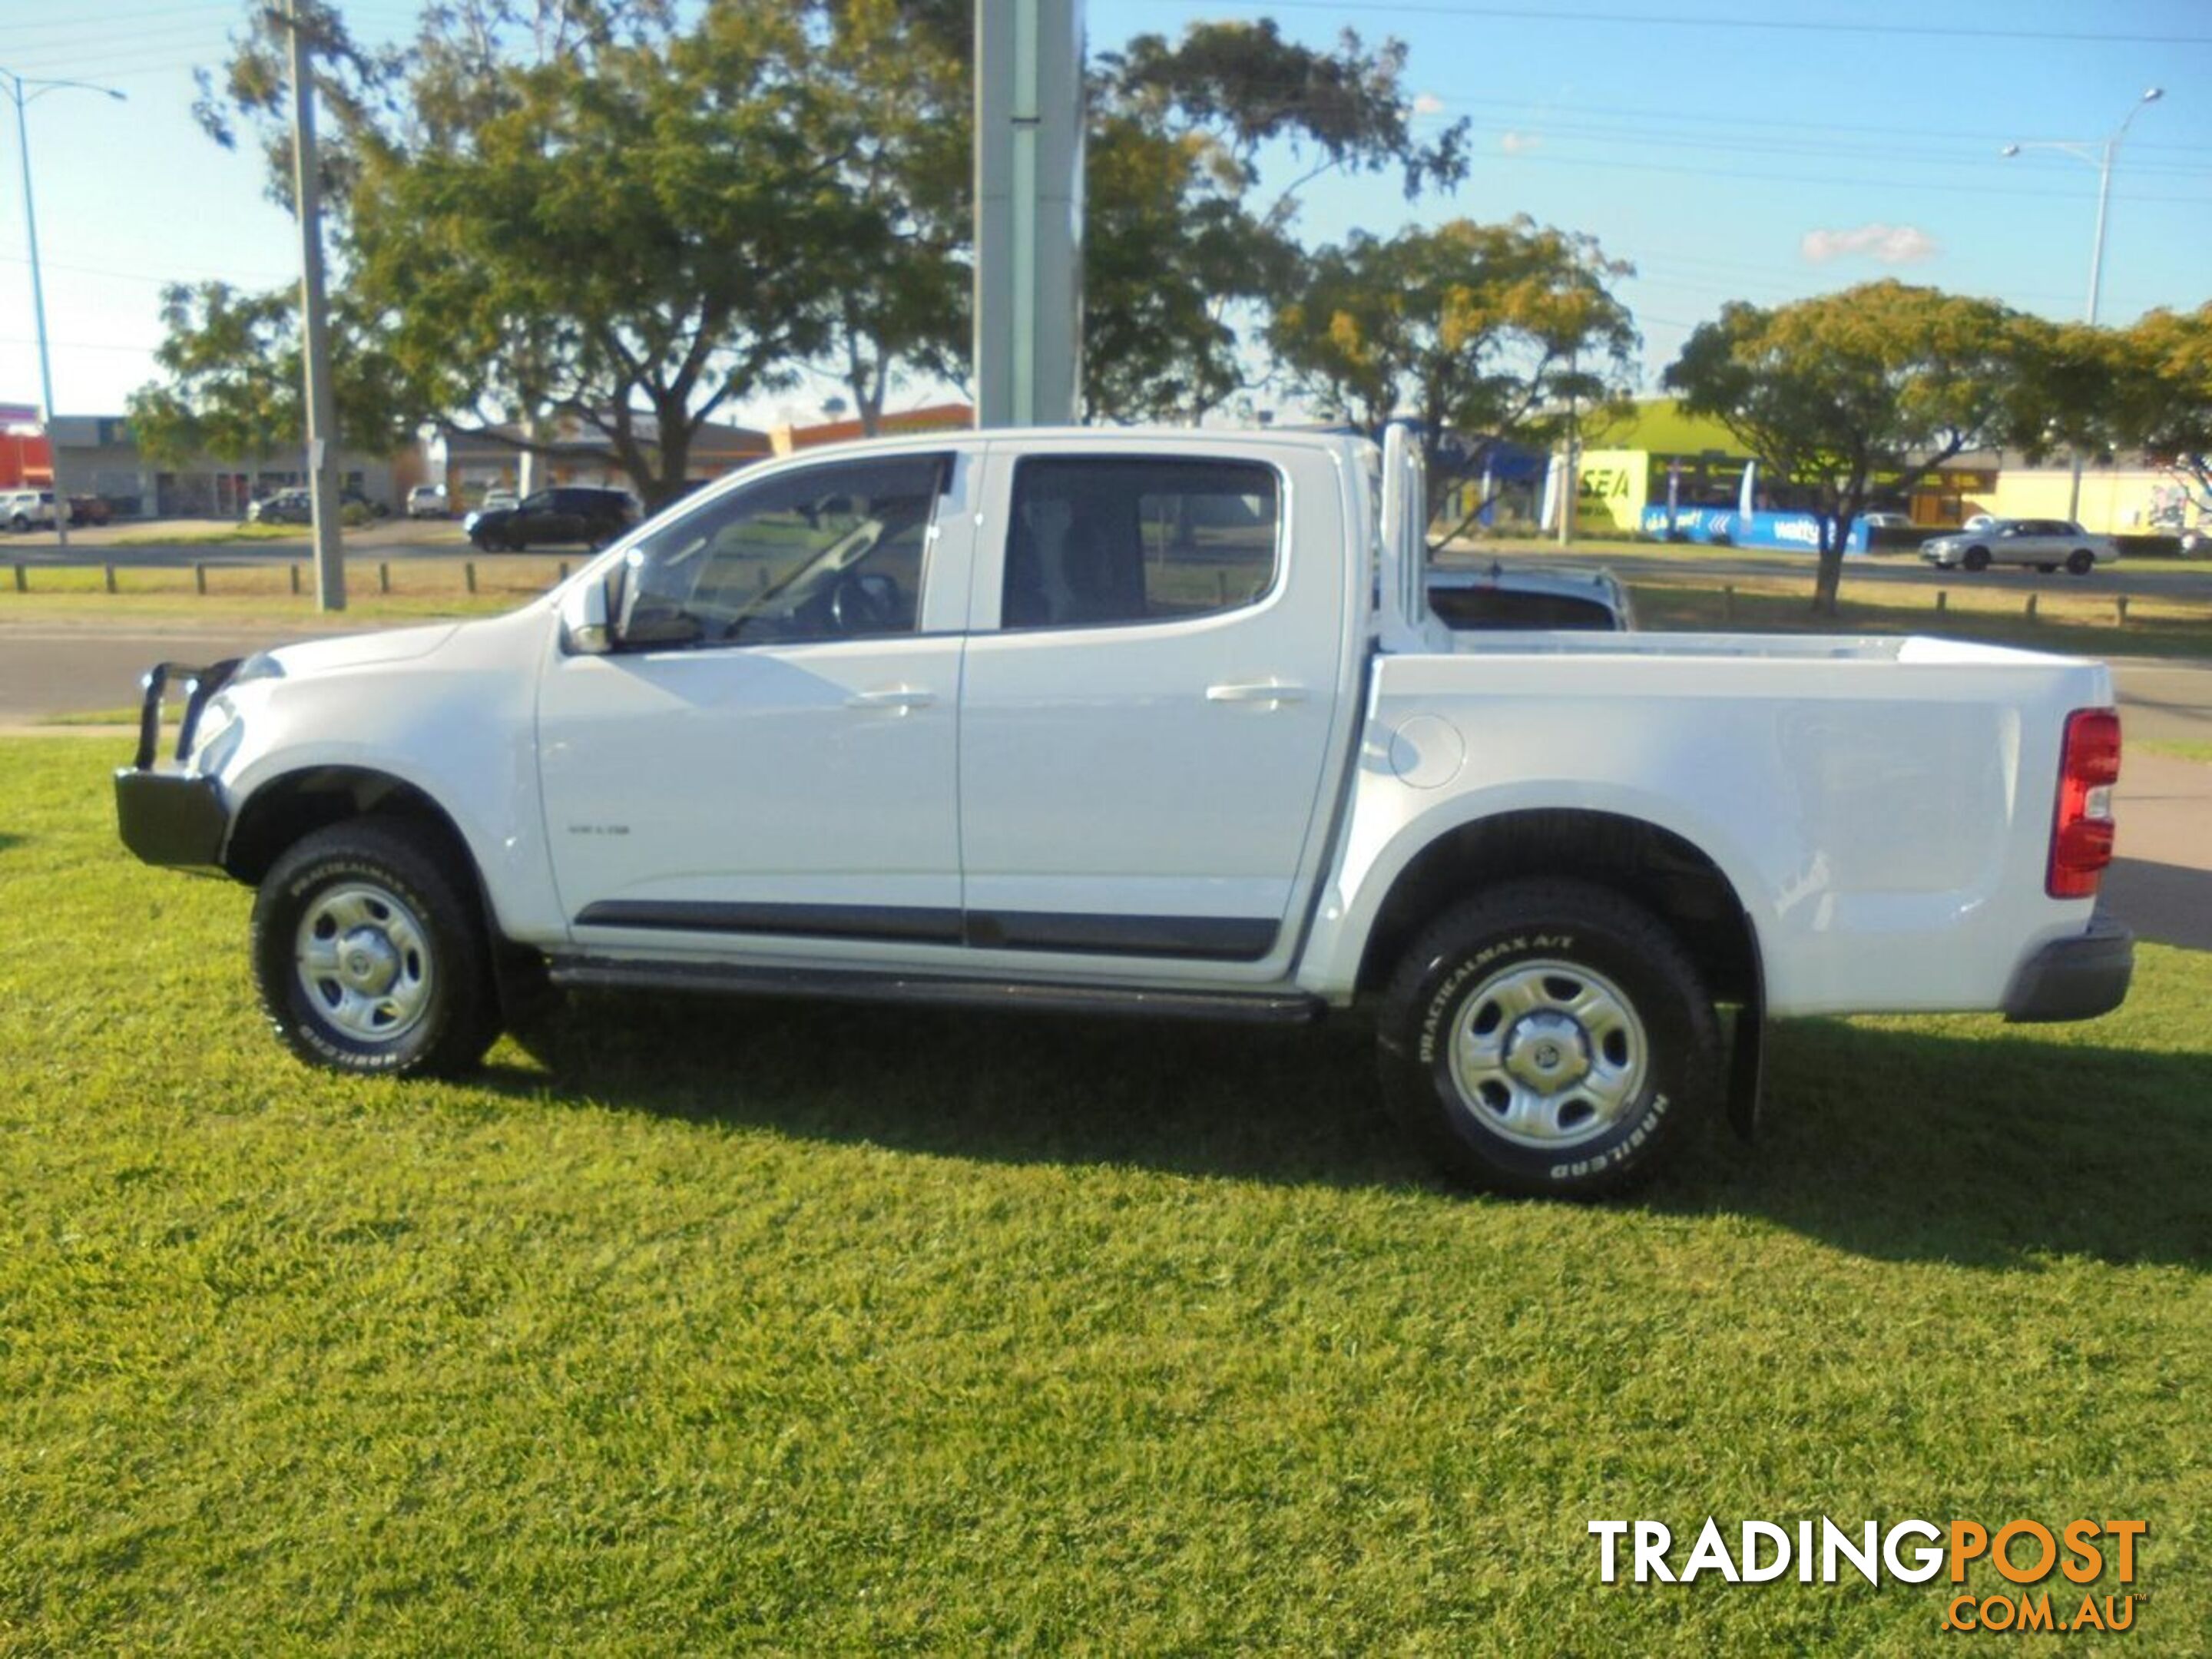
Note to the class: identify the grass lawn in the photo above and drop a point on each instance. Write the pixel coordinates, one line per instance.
(2189, 752)
(395, 591)
(706, 1325)
(216, 534)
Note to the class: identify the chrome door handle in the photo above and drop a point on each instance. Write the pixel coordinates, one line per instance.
(1271, 692)
(892, 697)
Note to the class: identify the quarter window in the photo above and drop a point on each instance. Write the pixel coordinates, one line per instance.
(833, 552)
(1095, 542)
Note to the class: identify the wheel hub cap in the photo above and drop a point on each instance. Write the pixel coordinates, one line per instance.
(367, 962)
(1548, 1055)
(1547, 1051)
(362, 957)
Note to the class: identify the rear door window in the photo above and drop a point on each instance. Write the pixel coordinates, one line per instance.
(1099, 541)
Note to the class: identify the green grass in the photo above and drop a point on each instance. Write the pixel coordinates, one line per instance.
(701, 1326)
(399, 590)
(214, 535)
(2079, 625)
(2190, 752)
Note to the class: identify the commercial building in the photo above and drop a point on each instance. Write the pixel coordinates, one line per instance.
(99, 457)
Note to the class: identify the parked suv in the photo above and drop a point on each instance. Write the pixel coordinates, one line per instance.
(28, 509)
(2047, 544)
(426, 500)
(552, 517)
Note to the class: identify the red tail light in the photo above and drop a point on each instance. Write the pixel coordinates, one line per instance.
(2081, 826)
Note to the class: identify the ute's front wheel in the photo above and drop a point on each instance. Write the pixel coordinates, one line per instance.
(1548, 1037)
(369, 957)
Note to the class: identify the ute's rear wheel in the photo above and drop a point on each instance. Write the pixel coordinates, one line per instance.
(370, 957)
(1548, 1037)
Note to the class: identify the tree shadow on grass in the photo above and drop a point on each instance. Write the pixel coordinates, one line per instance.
(1983, 1147)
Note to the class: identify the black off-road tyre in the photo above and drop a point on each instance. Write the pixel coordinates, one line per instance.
(1976, 558)
(1549, 1037)
(399, 980)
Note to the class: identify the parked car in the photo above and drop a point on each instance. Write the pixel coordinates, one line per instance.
(497, 499)
(294, 505)
(2047, 544)
(426, 500)
(1093, 721)
(567, 516)
(1886, 520)
(28, 509)
(89, 509)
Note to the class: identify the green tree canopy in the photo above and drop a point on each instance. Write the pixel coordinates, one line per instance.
(1884, 379)
(625, 215)
(1185, 256)
(2165, 396)
(1477, 332)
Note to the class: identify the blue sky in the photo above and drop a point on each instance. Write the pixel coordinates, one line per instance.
(1704, 148)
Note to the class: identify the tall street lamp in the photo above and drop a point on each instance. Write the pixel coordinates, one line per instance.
(2100, 155)
(24, 91)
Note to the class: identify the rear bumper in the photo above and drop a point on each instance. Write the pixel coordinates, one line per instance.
(2076, 978)
(168, 818)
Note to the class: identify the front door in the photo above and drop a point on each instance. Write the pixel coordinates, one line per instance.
(770, 753)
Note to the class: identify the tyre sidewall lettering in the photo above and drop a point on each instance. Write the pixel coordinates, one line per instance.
(1446, 981)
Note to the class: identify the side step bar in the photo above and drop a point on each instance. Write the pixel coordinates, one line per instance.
(1264, 1008)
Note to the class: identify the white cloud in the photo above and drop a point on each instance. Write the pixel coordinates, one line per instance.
(1889, 244)
(1518, 143)
(1428, 103)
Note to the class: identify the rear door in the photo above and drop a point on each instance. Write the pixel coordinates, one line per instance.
(1149, 708)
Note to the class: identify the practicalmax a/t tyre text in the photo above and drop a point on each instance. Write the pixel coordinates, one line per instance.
(1548, 1036)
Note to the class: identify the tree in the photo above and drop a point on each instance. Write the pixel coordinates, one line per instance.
(587, 213)
(1184, 261)
(626, 214)
(1884, 380)
(1477, 333)
(896, 108)
(235, 389)
(2164, 397)
(632, 237)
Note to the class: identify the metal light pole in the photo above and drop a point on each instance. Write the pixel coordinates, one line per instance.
(2100, 155)
(24, 92)
(315, 327)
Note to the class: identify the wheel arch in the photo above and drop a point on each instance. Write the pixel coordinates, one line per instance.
(1670, 876)
(294, 804)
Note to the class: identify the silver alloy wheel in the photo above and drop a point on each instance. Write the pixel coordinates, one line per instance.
(1548, 1055)
(363, 959)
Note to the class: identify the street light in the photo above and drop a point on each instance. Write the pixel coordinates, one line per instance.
(2100, 155)
(24, 91)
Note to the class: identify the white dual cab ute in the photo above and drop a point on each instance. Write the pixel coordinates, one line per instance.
(1159, 723)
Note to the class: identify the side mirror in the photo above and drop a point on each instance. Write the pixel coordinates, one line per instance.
(585, 627)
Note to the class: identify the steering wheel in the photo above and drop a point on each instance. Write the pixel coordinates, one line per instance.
(864, 602)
